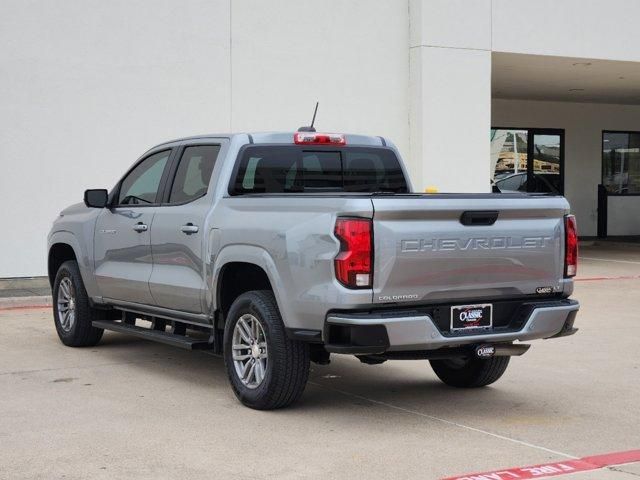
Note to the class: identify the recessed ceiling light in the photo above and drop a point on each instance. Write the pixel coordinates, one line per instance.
(576, 89)
(581, 64)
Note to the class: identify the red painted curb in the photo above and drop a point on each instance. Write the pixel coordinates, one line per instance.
(616, 458)
(593, 279)
(25, 307)
(547, 470)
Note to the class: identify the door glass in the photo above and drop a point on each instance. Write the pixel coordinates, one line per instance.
(546, 165)
(621, 162)
(508, 155)
(140, 187)
(194, 173)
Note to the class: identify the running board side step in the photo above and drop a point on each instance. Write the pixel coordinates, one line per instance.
(182, 341)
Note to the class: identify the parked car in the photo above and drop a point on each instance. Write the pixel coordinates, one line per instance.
(539, 183)
(283, 248)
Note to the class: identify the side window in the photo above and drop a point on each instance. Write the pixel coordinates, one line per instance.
(194, 172)
(140, 187)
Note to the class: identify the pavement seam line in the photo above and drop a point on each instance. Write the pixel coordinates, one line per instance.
(617, 469)
(24, 372)
(448, 422)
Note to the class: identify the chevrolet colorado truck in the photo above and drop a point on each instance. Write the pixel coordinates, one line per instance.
(279, 249)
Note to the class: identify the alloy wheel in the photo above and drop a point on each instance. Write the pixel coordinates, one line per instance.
(66, 304)
(249, 351)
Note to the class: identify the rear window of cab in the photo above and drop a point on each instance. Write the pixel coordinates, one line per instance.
(305, 169)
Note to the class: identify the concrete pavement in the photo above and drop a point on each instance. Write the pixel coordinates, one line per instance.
(130, 408)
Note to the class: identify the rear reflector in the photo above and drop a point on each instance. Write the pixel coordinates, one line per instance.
(570, 246)
(312, 138)
(353, 262)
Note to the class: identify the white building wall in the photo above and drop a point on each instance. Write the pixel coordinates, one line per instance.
(583, 124)
(450, 94)
(624, 215)
(87, 86)
(351, 56)
(605, 29)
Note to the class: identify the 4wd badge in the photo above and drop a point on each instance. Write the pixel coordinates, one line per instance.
(544, 290)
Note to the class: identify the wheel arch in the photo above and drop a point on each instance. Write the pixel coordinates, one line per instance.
(59, 253)
(62, 244)
(239, 269)
(237, 278)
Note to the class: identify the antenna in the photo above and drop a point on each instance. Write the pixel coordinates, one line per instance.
(313, 120)
(310, 128)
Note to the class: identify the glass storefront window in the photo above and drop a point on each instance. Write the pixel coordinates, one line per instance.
(508, 153)
(621, 162)
(527, 160)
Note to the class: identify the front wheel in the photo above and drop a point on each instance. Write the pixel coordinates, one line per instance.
(266, 369)
(470, 372)
(72, 311)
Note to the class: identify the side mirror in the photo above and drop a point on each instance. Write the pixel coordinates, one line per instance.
(96, 198)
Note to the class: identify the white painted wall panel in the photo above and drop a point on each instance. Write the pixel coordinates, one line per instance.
(624, 216)
(86, 86)
(451, 23)
(450, 134)
(568, 28)
(351, 56)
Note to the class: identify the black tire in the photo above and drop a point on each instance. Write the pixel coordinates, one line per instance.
(287, 364)
(470, 373)
(81, 333)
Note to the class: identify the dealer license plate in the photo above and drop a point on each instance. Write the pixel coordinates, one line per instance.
(469, 317)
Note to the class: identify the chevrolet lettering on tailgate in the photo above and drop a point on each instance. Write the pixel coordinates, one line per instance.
(480, 243)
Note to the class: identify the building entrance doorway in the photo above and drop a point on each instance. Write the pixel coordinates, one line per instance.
(527, 160)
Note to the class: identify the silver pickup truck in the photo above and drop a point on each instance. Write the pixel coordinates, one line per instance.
(279, 249)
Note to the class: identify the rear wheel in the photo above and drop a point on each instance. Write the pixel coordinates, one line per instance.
(470, 372)
(266, 369)
(72, 312)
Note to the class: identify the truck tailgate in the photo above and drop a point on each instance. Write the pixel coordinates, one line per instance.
(428, 250)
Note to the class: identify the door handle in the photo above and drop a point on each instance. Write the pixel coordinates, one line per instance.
(189, 228)
(478, 218)
(140, 227)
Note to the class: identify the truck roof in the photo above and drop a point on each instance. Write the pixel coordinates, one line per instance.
(282, 137)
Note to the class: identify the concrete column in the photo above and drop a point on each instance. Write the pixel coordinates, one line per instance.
(450, 94)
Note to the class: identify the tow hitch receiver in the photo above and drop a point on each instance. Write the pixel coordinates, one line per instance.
(501, 350)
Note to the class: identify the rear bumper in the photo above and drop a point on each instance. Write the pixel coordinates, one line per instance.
(377, 333)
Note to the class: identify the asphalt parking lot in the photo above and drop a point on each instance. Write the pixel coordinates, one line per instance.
(129, 408)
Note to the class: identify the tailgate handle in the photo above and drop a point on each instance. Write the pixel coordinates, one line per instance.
(479, 218)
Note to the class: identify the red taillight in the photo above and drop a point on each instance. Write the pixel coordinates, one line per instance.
(353, 262)
(312, 138)
(570, 246)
